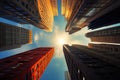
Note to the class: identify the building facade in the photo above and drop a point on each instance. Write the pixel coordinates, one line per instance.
(36, 12)
(106, 19)
(13, 37)
(87, 64)
(80, 13)
(110, 35)
(19, 11)
(28, 65)
(54, 6)
(109, 48)
(47, 10)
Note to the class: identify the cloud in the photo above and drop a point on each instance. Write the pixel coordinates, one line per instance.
(36, 37)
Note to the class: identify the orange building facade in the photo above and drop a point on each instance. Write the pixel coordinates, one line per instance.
(28, 65)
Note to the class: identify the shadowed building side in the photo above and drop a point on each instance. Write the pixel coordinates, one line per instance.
(69, 9)
(12, 37)
(110, 35)
(110, 18)
(21, 11)
(39, 13)
(28, 65)
(108, 48)
(87, 64)
(82, 12)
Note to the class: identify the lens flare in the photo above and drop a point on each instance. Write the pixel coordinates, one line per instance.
(61, 41)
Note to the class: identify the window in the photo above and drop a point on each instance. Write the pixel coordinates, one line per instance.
(83, 78)
(78, 71)
(29, 9)
(26, 77)
(91, 12)
(36, 67)
(8, 61)
(32, 70)
(23, 3)
(116, 50)
(27, 6)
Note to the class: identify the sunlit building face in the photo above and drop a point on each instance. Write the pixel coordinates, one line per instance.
(47, 13)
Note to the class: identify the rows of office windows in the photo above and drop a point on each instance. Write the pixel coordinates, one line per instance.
(106, 47)
(12, 35)
(22, 14)
(105, 32)
(73, 66)
(29, 5)
(89, 9)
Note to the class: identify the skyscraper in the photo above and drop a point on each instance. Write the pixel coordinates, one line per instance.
(47, 10)
(106, 19)
(88, 64)
(80, 13)
(109, 35)
(13, 37)
(21, 11)
(108, 48)
(36, 12)
(28, 65)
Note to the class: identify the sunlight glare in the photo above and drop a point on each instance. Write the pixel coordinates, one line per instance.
(61, 41)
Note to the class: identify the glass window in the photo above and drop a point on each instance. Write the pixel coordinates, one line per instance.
(83, 78)
(26, 77)
(23, 3)
(91, 12)
(26, 5)
(32, 70)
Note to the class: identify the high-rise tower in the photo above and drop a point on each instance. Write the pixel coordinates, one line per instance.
(85, 63)
(47, 10)
(21, 11)
(94, 14)
(13, 37)
(28, 65)
(39, 13)
(109, 35)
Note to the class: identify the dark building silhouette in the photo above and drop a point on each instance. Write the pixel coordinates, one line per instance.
(13, 37)
(88, 64)
(108, 19)
(39, 13)
(21, 11)
(28, 65)
(108, 48)
(110, 35)
(97, 13)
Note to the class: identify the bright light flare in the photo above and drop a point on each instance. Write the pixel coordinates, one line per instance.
(61, 41)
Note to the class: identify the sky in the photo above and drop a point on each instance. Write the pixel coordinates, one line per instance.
(56, 68)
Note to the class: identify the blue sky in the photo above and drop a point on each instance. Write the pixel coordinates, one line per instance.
(57, 66)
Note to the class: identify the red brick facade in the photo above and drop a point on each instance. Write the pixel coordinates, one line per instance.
(28, 65)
